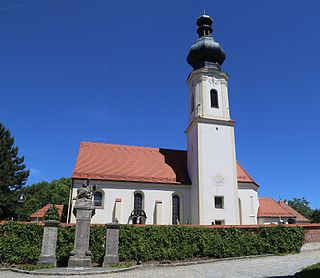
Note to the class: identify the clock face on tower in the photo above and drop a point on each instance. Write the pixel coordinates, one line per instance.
(218, 180)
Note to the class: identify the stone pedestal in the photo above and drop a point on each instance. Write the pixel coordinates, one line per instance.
(49, 243)
(81, 256)
(112, 244)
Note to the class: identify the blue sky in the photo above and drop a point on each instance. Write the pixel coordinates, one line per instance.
(115, 72)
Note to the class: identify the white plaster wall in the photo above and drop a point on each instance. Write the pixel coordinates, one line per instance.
(151, 192)
(192, 153)
(218, 176)
(249, 203)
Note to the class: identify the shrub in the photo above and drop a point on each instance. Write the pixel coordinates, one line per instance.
(181, 242)
(52, 214)
(281, 239)
(22, 243)
(65, 242)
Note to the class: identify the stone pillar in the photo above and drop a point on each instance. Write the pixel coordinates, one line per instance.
(49, 243)
(81, 256)
(112, 244)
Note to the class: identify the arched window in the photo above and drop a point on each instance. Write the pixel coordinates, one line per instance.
(192, 102)
(98, 196)
(138, 216)
(137, 205)
(214, 98)
(175, 209)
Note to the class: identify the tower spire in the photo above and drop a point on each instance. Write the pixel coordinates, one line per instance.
(205, 51)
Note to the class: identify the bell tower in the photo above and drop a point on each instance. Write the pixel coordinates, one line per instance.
(210, 134)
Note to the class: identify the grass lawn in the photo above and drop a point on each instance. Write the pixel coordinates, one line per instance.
(312, 271)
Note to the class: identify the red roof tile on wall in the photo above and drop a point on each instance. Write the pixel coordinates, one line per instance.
(132, 163)
(270, 208)
(243, 175)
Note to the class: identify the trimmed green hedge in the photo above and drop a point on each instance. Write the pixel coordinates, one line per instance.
(21, 243)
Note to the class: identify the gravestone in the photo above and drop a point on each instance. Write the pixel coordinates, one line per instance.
(49, 243)
(83, 211)
(112, 244)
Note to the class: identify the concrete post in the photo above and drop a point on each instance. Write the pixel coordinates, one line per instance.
(81, 256)
(112, 244)
(49, 243)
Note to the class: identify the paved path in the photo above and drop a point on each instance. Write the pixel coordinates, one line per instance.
(272, 266)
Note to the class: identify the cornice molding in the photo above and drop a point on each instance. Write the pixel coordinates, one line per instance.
(199, 119)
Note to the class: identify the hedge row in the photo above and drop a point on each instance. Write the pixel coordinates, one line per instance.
(21, 243)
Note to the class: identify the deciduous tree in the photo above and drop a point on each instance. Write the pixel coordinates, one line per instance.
(301, 205)
(40, 194)
(315, 216)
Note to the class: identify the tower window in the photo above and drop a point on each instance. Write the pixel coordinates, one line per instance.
(218, 202)
(192, 103)
(214, 98)
(219, 222)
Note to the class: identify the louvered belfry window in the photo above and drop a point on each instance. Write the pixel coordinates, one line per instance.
(214, 98)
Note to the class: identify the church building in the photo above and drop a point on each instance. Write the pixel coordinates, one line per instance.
(201, 185)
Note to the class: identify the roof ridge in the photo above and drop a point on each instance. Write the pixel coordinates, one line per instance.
(130, 146)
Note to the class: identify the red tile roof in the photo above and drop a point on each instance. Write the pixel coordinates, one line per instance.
(132, 163)
(41, 212)
(270, 208)
(299, 217)
(243, 175)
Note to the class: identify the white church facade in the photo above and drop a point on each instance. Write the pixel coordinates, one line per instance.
(203, 185)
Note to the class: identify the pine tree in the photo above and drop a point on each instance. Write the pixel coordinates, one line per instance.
(52, 214)
(13, 173)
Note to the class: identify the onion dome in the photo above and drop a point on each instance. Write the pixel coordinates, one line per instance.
(205, 51)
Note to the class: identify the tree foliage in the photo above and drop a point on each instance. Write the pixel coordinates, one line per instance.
(52, 214)
(301, 205)
(40, 194)
(315, 216)
(13, 173)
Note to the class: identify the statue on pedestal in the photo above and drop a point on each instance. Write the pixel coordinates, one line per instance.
(83, 211)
